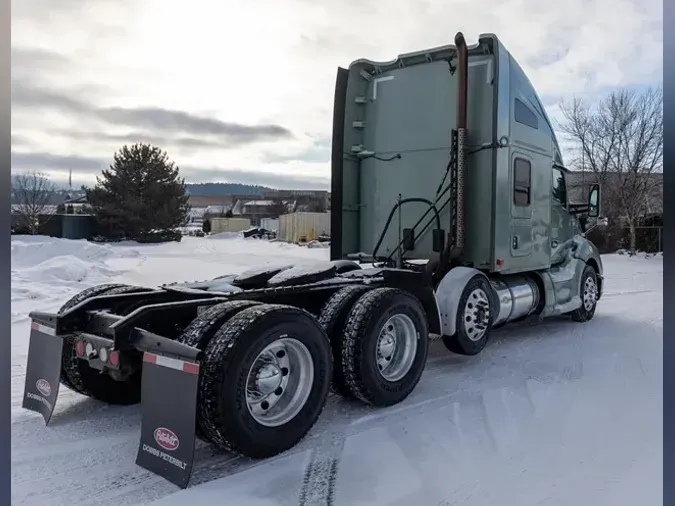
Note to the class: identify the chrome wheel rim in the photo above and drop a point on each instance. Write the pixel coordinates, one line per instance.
(590, 293)
(279, 382)
(396, 347)
(476, 314)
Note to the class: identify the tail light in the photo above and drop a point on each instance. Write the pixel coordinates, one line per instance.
(114, 358)
(80, 348)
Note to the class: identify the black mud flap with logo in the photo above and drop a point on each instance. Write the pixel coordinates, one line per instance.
(168, 417)
(43, 370)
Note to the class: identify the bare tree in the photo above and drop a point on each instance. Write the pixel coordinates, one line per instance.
(620, 141)
(32, 193)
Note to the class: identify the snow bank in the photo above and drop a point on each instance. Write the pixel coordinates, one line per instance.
(49, 270)
(30, 251)
(227, 235)
(67, 268)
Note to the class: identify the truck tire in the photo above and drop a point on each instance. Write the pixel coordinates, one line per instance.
(289, 351)
(588, 294)
(385, 346)
(333, 319)
(202, 329)
(474, 318)
(68, 345)
(77, 375)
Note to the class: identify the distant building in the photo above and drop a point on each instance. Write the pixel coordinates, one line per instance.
(269, 204)
(305, 200)
(208, 205)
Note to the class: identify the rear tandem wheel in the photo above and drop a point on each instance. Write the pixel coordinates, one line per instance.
(385, 346)
(202, 329)
(334, 319)
(264, 380)
(80, 377)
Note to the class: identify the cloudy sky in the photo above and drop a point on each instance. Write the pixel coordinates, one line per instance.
(242, 90)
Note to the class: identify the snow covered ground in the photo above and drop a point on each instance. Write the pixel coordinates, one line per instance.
(552, 414)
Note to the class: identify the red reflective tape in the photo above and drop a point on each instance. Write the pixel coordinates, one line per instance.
(171, 363)
(42, 328)
(191, 367)
(150, 358)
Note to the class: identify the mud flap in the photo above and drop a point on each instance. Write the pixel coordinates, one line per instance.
(168, 417)
(43, 370)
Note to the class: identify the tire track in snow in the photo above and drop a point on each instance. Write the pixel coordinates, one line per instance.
(318, 485)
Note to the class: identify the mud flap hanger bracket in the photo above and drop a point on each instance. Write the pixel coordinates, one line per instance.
(146, 341)
(50, 320)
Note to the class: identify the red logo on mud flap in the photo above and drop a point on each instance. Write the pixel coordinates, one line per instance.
(166, 439)
(44, 387)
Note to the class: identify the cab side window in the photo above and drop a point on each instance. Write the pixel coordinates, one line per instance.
(559, 190)
(522, 182)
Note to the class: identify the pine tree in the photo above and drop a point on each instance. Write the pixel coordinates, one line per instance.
(140, 192)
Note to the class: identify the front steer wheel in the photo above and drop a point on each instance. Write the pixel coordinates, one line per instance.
(264, 380)
(588, 294)
(473, 323)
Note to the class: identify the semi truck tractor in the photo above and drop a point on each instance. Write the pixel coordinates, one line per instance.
(450, 217)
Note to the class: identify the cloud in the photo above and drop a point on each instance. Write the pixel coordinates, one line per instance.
(272, 180)
(26, 60)
(48, 161)
(218, 85)
(60, 165)
(158, 119)
(318, 152)
(136, 137)
(27, 96)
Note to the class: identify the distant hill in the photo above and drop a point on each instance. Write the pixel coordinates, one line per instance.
(225, 189)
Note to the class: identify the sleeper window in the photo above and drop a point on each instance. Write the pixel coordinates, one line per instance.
(524, 115)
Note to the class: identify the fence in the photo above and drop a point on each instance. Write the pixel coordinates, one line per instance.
(648, 239)
(610, 239)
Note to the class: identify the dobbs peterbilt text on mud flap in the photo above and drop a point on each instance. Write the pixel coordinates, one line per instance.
(450, 217)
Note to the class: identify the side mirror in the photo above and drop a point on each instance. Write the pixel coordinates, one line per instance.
(594, 201)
